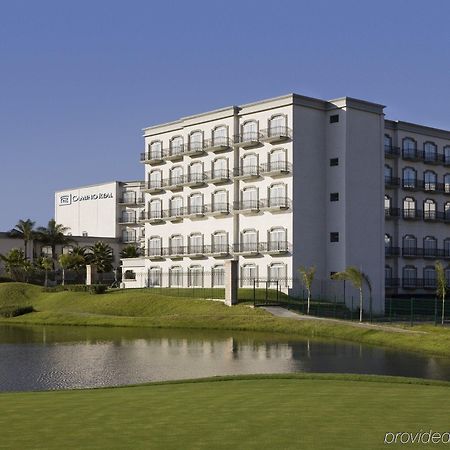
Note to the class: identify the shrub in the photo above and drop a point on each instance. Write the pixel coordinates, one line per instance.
(68, 287)
(14, 311)
(98, 289)
(5, 279)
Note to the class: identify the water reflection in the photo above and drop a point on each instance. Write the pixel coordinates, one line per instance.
(55, 357)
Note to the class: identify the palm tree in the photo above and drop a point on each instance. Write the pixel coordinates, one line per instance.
(130, 251)
(53, 234)
(46, 264)
(357, 278)
(15, 262)
(69, 261)
(101, 256)
(307, 275)
(441, 286)
(24, 229)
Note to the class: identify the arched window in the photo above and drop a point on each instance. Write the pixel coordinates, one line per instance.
(250, 131)
(67, 249)
(176, 276)
(220, 201)
(387, 205)
(429, 152)
(176, 206)
(219, 241)
(387, 142)
(429, 246)
(249, 197)
(155, 150)
(429, 209)
(129, 197)
(220, 168)
(277, 195)
(409, 277)
(249, 241)
(196, 174)
(387, 174)
(409, 148)
(429, 277)
(409, 208)
(195, 276)
(447, 183)
(155, 209)
(220, 136)
(249, 273)
(409, 245)
(196, 140)
(128, 216)
(154, 278)
(155, 179)
(278, 160)
(196, 243)
(277, 239)
(176, 146)
(409, 178)
(446, 247)
(388, 275)
(196, 204)
(218, 276)
(430, 180)
(249, 164)
(176, 245)
(277, 125)
(277, 273)
(176, 175)
(387, 241)
(447, 211)
(155, 246)
(128, 236)
(447, 154)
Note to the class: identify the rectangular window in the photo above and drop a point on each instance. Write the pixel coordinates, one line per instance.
(334, 237)
(334, 197)
(334, 118)
(334, 161)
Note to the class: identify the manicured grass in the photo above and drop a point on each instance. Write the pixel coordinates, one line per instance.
(144, 307)
(280, 412)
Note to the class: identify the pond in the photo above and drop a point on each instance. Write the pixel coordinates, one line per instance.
(42, 358)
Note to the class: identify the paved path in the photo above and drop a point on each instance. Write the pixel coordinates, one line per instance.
(286, 313)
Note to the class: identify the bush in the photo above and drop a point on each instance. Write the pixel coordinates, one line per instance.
(68, 287)
(14, 311)
(98, 289)
(6, 280)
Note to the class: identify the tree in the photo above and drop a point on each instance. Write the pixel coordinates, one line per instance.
(69, 261)
(15, 263)
(441, 286)
(24, 229)
(307, 274)
(53, 234)
(101, 256)
(357, 278)
(130, 251)
(46, 264)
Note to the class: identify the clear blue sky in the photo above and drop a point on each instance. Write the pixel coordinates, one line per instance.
(79, 79)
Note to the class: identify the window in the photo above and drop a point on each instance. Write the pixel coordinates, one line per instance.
(176, 276)
(447, 183)
(447, 154)
(334, 197)
(277, 160)
(387, 205)
(155, 150)
(429, 277)
(196, 172)
(409, 276)
(430, 180)
(249, 241)
(334, 236)
(196, 204)
(220, 168)
(155, 179)
(277, 195)
(128, 216)
(429, 209)
(429, 246)
(277, 239)
(176, 146)
(67, 249)
(155, 209)
(129, 197)
(409, 245)
(429, 152)
(446, 247)
(409, 148)
(176, 245)
(195, 276)
(154, 278)
(388, 274)
(220, 201)
(447, 211)
(196, 140)
(218, 276)
(154, 246)
(334, 161)
(409, 178)
(387, 241)
(176, 206)
(249, 165)
(219, 241)
(409, 208)
(220, 136)
(196, 243)
(250, 198)
(176, 175)
(277, 125)
(249, 273)
(128, 236)
(387, 174)
(334, 118)
(129, 275)
(250, 131)
(387, 142)
(277, 274)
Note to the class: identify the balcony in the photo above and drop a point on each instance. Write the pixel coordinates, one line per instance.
(246, 173)
(247, 206)
(275, 247)
(176, 214)
(274, 135)
(219, 250)
(411, 154)
(275, 204)
(127, 220)
(391, 213)
(217, 145)
(196, 251)
(411, 214)
(152, 158)
(129, 240)
(174, 183)
(412, 184)
(391, 152)
(276, 168)
(247, 248)
(391, 182)
(430, 157)
(195, 149)
(196, 211)
(218, 209)
(174, 153)
(391, 251)
(419, 283)
(153, 217)
(248, 139)
(155, 253)
(195, 180)
(218, 176)
(391, 283)
(132, 200)
(154, 187)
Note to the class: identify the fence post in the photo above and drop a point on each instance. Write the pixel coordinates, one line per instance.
(412, 310)
(435, 311)
(351, 310)
(231, 282)
(390, 309)
(254, 292)
(277, 291)
(334, 313)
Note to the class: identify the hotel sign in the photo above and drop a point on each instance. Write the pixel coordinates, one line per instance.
(69, 199)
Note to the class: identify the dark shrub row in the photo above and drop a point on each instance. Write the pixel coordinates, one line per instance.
(93, 289)
(14, 311)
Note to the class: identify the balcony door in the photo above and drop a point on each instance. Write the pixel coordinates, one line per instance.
(277, 125)
(249, 165)
(220, 201)
(155, 179)
(250, 240)
(277, 239)
(155, 209)
(278, 160)
(249, 131)
(220, 136)
(154, 246)
(250, 198)
(196, 204)
(277, 195)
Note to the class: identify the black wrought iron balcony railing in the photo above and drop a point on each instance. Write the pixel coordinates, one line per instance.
(282, 167)
(193, 250)
(391, 251)
(272, 203)
(390, 283)
(276, 134)
(129, 200)
(217, 144)
(263, 247)
(391, 213)
(248, 138)
(127, 219)
(411, 214)
(152, 157)
(413, 184)
(218, 176)
(426, 252)
(391, 181)
(410, 154)
(428, 157)
(418, 283)
(129, 239)
(247, 171)
(391, 152)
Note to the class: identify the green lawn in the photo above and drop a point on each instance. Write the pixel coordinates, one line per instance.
(145, 308)
(281, 412)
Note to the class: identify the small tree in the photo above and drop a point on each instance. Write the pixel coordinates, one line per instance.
(24, 229)
(15, 263)
(130, 251)
(307, 274)
(69, 261)
(441, 286)
(357, 278)
(101, 256)
(46, 264)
